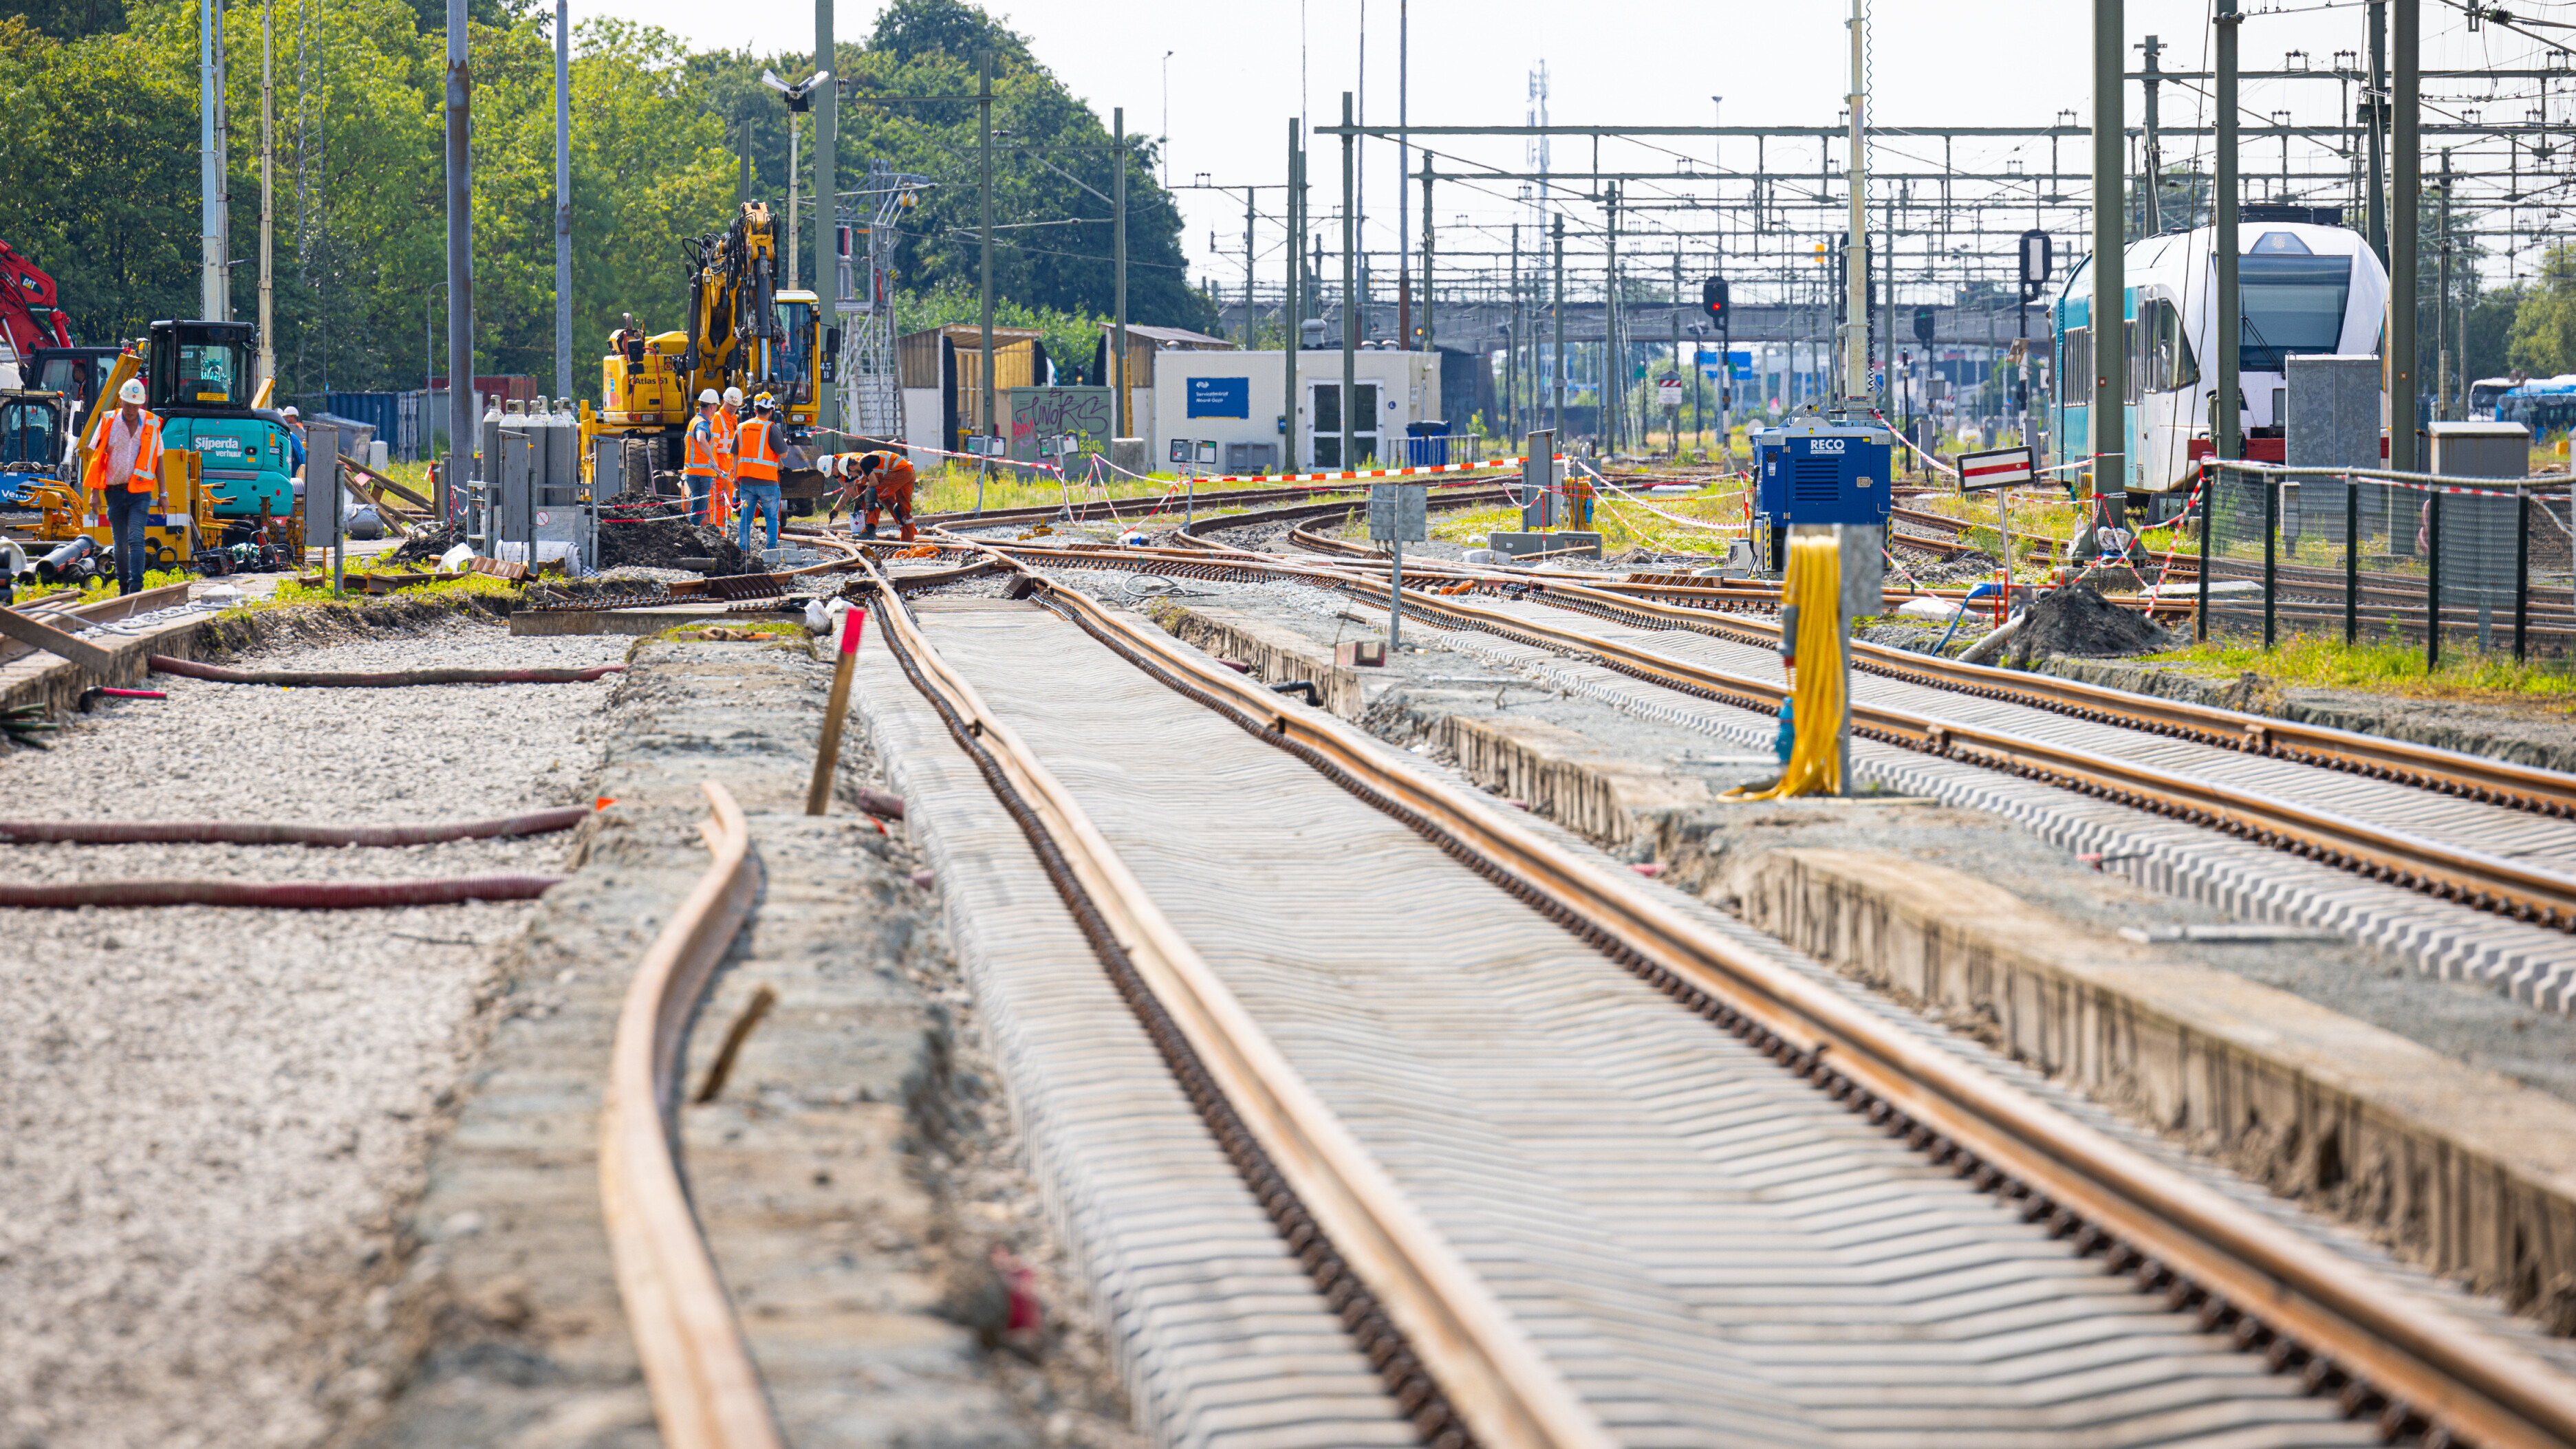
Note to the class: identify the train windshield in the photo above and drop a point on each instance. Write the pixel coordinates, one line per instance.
(2293, 306)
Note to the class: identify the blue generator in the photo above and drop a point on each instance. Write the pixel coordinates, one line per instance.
(1814, 471)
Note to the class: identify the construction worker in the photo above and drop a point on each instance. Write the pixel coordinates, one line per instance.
(704, 467)
(127, 469)
(720, 507)
(888, 480)
(756, 471)
(294, 446)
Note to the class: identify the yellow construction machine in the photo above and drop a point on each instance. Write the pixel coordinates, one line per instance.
(743, 331)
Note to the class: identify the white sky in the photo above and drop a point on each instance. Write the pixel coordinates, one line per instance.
(1238, 71)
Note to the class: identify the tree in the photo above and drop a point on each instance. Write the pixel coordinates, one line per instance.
(2543, 340)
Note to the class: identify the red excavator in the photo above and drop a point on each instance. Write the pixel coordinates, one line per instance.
(29, 316)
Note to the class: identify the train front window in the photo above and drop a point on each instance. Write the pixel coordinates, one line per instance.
(2293, 307)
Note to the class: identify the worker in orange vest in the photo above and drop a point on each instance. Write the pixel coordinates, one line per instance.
(729, 422)
(704, 468)
(126, 468)
(756, 471)
(888, 480)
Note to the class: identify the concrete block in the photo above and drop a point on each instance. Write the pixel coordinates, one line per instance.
(1360, 653)
(2461, 1170)
(1565, 543)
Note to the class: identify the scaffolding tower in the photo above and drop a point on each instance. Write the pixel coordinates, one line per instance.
(871, 388)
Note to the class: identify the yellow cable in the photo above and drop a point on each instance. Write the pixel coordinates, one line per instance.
(1815, 752)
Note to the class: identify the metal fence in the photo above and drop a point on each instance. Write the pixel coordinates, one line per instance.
(1433, 450)
(2370, 556)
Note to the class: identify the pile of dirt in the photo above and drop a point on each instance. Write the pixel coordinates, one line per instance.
(662, 543)
(2076, 620)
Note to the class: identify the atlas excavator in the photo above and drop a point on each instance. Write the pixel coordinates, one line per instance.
(743, 331)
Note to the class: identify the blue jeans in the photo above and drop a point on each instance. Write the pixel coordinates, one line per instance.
(698, 486)
(766, 498)
(127, 516)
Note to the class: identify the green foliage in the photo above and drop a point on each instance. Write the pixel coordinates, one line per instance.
(98, 179)
(2543, 341)
(2389, 665)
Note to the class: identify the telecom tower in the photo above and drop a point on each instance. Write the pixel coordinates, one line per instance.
(871, 387)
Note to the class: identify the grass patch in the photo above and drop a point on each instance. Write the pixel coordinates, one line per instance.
(1623, 525)
(2386, 666)
(293, 594)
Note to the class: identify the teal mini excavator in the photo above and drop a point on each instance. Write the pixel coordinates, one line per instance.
(197, 376)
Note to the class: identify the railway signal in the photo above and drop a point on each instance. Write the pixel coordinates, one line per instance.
(2036, 255)
(1712, 299)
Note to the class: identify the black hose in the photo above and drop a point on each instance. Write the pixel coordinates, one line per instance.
(1314, 696)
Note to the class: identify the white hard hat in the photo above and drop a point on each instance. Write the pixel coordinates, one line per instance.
(288, 412)
(132, 391)
(733, 395)
(706, 396)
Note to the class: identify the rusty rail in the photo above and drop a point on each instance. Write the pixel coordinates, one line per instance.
(2176, 1233)
(2450, 772)
(1494, 1379)
(705, 1392)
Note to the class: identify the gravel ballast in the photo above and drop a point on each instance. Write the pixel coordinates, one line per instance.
(215, 1116)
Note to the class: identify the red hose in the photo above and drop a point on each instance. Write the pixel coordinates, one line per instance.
(301, 679)
(316, 895)
(255, 832)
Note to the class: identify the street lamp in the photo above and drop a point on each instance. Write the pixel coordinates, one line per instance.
(1167, 120)
(800, 99)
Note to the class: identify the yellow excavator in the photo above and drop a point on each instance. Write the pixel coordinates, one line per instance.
(743, 331)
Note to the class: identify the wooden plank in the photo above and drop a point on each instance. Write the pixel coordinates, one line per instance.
(54, 641)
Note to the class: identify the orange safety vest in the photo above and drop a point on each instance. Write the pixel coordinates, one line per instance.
(756, 451)
(705, 449)
(727, 427)
(147, 456)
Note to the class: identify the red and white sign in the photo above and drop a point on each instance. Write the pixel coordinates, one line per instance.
(1997, 468)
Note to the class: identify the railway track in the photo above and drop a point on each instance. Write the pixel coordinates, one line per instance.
(2355, 806)
(1573, 1160)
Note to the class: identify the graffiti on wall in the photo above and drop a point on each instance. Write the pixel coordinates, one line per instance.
(1041, 415)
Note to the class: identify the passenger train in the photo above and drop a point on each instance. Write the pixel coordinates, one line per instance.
(2307, 288)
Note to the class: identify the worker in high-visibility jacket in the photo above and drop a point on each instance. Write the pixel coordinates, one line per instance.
(756, 471)
(888, 479)
(126, 468)
(704, 468)
(729, 422)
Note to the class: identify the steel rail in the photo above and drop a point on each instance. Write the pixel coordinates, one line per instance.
(2448, 872)
(2428, 1361)
(1508, 1396)
(2492, 883)
(705, 1392)
(2428, 767)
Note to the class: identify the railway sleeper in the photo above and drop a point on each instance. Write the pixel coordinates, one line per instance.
(2280, 1353)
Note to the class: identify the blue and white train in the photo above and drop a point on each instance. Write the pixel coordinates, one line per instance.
(2307, 288)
